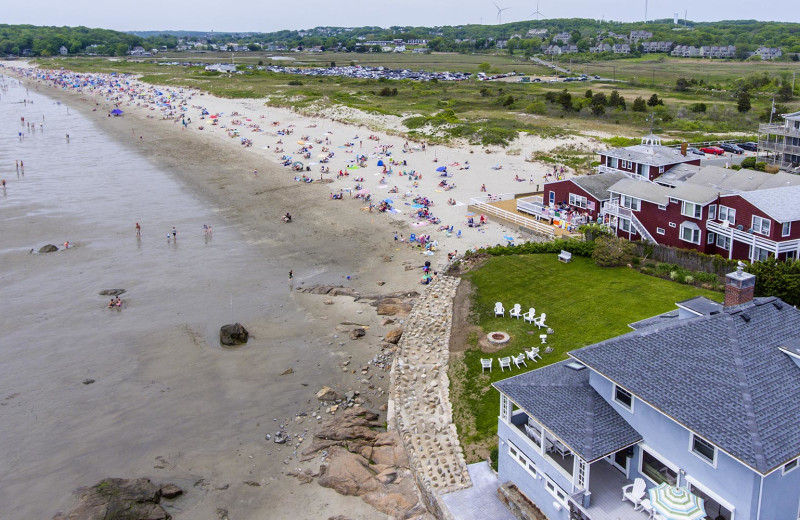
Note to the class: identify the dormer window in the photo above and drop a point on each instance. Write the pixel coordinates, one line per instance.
(623, 397)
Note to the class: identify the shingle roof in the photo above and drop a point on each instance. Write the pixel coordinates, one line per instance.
(653, 155)
(782, 204)
(722, 376)
(597, 185)
(564, 402)
(658, 194)
(727, 180)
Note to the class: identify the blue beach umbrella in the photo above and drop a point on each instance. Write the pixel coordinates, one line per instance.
(676, 503)
(441, 169)
(116, 112)
(380, 163)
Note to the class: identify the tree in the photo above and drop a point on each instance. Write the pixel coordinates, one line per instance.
(121, 49)
(565, 100)
(612, 251)
(682, 85)
(654, 101)
(785, 92)
(743, 102)
(598, 110)
(588, 94)
(639, 105)
(599, 99)
(484, 67)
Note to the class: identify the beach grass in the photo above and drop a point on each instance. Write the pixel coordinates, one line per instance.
(584, 303)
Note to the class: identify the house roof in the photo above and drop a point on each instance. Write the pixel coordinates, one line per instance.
(652, 155)
(597, 185)
(727, 180)
(793, 115)
(722, 376)
(677, 174)
(642, 190)
(779, 203)
(700, 305)
(667, 317)
(564, 402)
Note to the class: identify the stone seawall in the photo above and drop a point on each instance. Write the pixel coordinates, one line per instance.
(420, 392)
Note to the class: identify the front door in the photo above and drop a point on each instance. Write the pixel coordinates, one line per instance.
(620, 461)
(552, 199)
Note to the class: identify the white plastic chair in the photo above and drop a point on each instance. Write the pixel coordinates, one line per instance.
(516, 311)
(505, 362)
(533, 354)
(499, 310)
(519, 360)
(530, 315)
(646, 507)
(539, 322)
(634, 492)
(486, 363)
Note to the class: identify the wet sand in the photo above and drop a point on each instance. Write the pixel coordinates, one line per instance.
(167, 402)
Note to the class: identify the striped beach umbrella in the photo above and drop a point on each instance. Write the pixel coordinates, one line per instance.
(676, 503)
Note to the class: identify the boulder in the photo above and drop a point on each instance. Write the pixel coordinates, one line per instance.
(171, 491)
(131, 499)
(394, 307)
(358, 332)
(392, 504)
(393, 336)
(112, 292)
(233, 335)
(49, 248)
(328, 394)
(348, 474)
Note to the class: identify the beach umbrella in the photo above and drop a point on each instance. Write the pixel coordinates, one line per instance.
(510, 239)
(116, 112)
(362, 192)
(297, 163)
(441, 169)
(676, 503)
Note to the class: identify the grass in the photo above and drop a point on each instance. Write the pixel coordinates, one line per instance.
(584, 304)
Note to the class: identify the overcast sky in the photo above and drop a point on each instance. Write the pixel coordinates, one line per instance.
(269, 15)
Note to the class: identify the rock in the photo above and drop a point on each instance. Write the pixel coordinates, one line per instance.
(49, 248)
(348, 474)
(131, 499)
(392, 504)
(287, 372)
(393, 336)
(170, 491)
(112, 292)
(328, 394)
(387, 476)
(358, 332)
(327, 301)
(88, 381)
(394, 307)
(387, 321)
(303, 476)
(233, 335)
(349, 395)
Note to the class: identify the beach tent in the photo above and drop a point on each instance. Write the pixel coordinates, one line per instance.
(380, 163)
(441, 169)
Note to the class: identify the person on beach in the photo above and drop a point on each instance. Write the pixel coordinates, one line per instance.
(174, 233)
(111, 304)
(138, 230)
(483, 188)
(291, 275)
(255, 173)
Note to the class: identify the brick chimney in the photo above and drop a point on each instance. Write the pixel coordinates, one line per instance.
(739, 287)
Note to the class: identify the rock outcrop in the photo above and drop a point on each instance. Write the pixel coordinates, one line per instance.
(233, 335)
(119, 498)
(49, 248)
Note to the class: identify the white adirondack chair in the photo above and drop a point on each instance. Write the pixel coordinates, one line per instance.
(634, 492)
(519, 360)
(499, 310)
(539, 322)
(505, 362)
(516, 311)
(486, 363)
(533, 354)
(530, 315)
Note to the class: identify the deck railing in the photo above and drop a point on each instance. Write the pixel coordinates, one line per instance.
(481, 204)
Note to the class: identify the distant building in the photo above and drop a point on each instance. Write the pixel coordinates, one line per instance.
(63, 51)
(602, 47)
(416, 42)
(501, 44)
(562, 37)
(640, 35)
(768, 53)
(399, 48)
(685, 51)
(781, 142)
(139, 51)
(221, 67)
(621, 37)
(537, 32)
(718, 51)
(650, 47)
(621, 48)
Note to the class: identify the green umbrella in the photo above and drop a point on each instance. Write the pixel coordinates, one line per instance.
(676, 503)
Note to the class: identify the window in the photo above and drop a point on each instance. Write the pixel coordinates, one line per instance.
(660, 169)
(704, 449)
(552, 198)
(761, 225)
(623, 397)
(577, 201)
(723, 242)
(613, 162)
(712, 212)
(522, 460)
(656, 470)
(505, 408)
(710, 238)
(673, 200)
(555, 491)
(711, 502)
(690, 233)
(662, 207)
(660, 230)
(624, 225)
(726, 213)
(759, 254)
(689, 209)
(672, 224)
(786, 229)
(632, 203)
(789, 466)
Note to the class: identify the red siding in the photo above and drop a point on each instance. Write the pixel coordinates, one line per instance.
(562, 190)
(744, 216)
(651, 218)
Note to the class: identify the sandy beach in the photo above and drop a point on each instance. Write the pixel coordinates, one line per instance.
(196, 414)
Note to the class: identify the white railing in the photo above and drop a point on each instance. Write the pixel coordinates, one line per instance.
(494, 198)
(614, 209)
(753, 239)
(508, 216)
(642, 230)
(778, 129)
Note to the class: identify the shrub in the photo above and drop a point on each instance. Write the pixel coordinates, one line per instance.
(688, 279)
(647, 270)
(639, 105)
(749, 162)
(612, 251)
(295, 82)
(537, 107)
(698, 108)
(673, 275)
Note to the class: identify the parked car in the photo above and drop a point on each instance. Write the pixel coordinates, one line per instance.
(713, 150)
(732, 148)
(694, 150)
(749, 146)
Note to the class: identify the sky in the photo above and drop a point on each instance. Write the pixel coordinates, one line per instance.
(269, 15)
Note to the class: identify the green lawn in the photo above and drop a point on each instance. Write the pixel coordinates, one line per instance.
(584, 304)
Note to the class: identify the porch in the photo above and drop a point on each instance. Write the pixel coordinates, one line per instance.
(504, 208)
(760, 246)
(605, 489)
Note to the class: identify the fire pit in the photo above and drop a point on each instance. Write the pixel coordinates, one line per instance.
(498, 338)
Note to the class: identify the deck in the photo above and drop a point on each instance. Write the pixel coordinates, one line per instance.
(510, 206)
(605, 483)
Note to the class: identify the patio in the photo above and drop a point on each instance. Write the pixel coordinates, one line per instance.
(479, 502)
(606, 489)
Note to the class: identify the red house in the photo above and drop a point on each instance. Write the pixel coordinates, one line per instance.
(584, 194)
(647, 160)
(741, 214)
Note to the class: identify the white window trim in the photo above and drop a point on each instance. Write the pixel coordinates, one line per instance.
(636, 204)
(730, 214)
(667, 463)
(711, 237)
(660, 230)
(662, 207)
(784, 471)
(660, 169)
(577, 200)
(724, 239)
(630, 225)
(672, 225)
(693, 214)
(760, 229)
(623, 405)
(522, 460)
(712, 212)
(786, 230)
(699, 235)
(548, 480)
(718, 499)
(712, 463)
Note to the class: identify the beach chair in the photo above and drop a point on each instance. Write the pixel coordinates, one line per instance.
(539, 322)
(634, 492)
(499, 310)
(412, 237)
(505, 362)
(486, 363)
(533, 354)
(458, 235)
(516, 311)
(530, 315)
(519, 360)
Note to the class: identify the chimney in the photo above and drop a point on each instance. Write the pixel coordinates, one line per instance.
(739, 287)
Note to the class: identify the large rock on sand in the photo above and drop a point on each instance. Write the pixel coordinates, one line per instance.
(233, 335)
(49, 248)
(393, 336)
(119, 498)
(394, 307)
(327, 393)
(348, 474)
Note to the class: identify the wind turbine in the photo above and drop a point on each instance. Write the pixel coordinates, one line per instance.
(499, 11)
(536, 12)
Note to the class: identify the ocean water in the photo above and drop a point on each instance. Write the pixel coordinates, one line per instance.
(55, 331)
